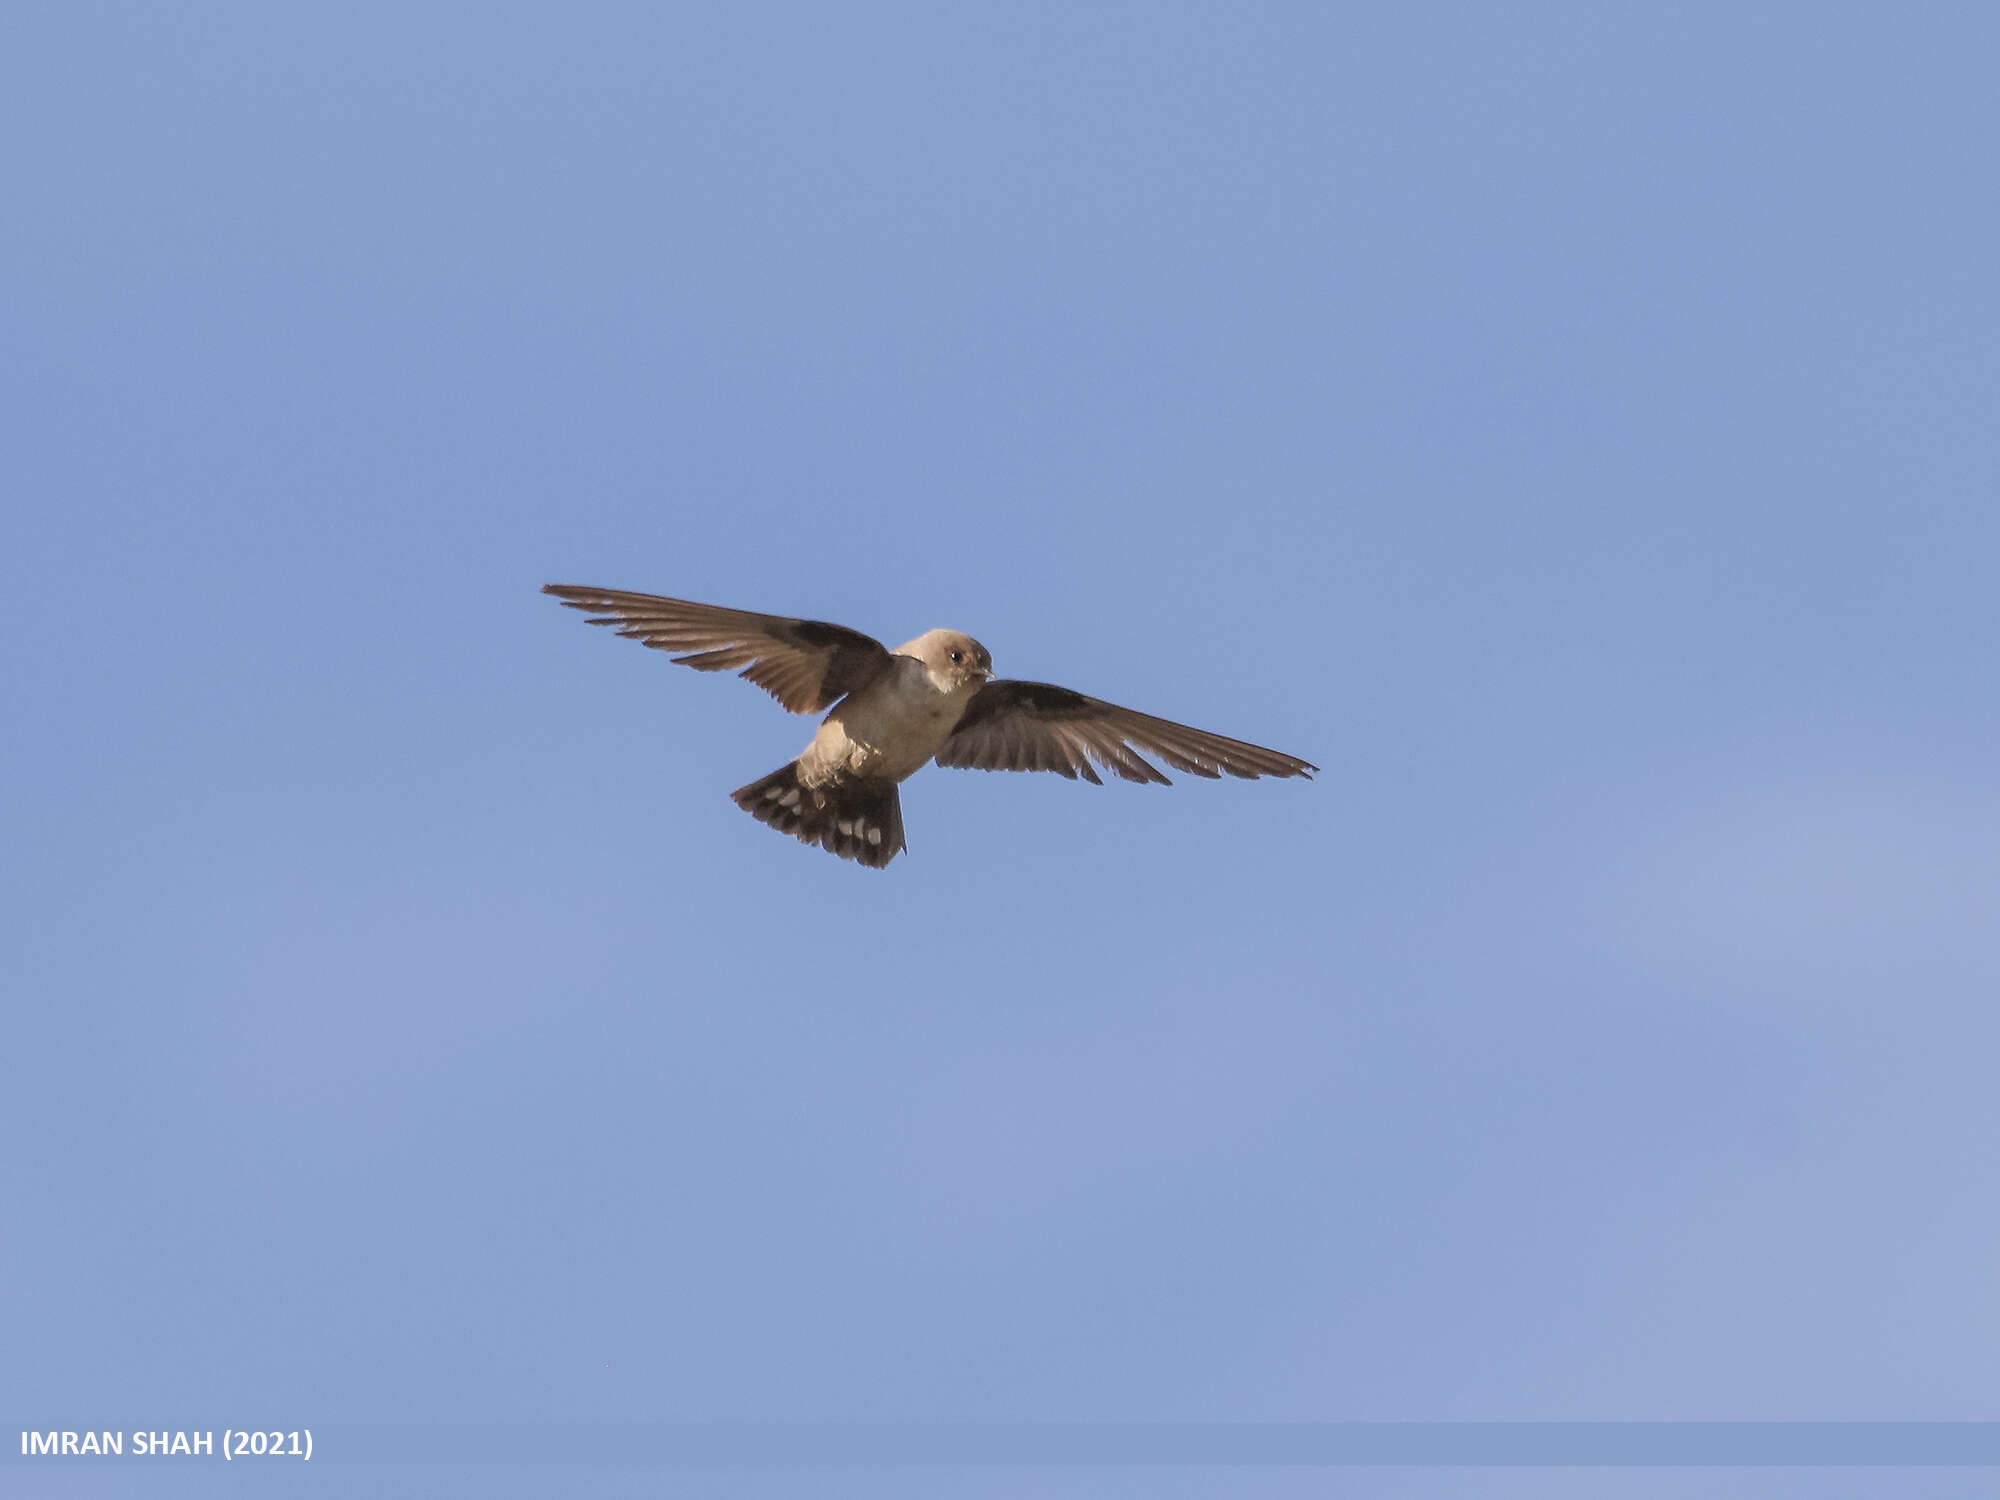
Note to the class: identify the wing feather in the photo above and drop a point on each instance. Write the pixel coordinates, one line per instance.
(807, 665)
(1036, 726)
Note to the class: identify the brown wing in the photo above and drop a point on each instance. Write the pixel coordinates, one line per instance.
(807, 665)
(1034, 726)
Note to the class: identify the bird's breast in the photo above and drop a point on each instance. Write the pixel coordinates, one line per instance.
(890, 729)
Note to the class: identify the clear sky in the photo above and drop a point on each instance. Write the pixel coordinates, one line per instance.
(1574, 428)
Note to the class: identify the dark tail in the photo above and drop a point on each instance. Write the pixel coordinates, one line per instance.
(856, 819)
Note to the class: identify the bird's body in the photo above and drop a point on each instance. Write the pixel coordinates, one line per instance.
(893, 726)
(890, 713)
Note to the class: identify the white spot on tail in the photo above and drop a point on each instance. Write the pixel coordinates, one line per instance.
(874, 835)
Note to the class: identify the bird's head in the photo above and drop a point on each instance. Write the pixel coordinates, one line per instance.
(956, 662)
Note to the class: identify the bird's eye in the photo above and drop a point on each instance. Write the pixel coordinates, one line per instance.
(958, 656)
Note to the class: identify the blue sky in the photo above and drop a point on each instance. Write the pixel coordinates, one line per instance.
(1571, 427)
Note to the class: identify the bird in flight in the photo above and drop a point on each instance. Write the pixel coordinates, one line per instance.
(933, 698)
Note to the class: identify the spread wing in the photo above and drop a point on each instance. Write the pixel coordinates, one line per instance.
(807, 665)
(1034, 726)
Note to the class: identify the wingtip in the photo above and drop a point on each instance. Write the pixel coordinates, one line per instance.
(575, 596)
